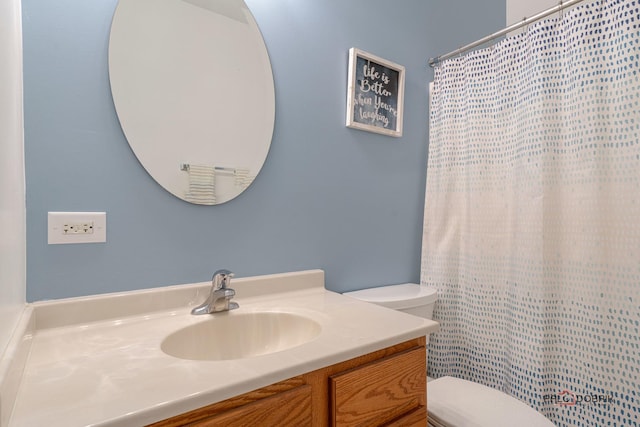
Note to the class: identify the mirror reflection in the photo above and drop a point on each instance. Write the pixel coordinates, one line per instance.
(193, 89)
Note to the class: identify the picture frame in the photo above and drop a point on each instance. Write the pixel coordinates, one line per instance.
(375, 94)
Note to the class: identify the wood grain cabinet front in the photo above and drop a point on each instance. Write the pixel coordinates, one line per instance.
(383, 388)
(289, 408)
(380, 392)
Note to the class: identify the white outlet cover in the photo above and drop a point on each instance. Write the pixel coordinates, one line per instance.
(57, 220)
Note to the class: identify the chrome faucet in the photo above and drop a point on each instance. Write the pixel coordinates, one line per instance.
(220, 297)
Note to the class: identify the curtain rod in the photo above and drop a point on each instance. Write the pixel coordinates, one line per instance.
(526, 21)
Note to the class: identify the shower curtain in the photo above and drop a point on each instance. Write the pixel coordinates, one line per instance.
(532, 216)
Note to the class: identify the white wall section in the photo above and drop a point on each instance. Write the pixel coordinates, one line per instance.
(519, 9)
(12, 187)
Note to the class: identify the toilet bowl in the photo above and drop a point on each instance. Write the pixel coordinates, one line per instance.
(453, 402)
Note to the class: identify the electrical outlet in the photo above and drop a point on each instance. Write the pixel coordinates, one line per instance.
(77, 227)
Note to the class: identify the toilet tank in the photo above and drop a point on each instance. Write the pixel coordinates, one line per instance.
(407, 297)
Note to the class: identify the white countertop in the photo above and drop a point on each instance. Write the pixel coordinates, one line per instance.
(86, 367)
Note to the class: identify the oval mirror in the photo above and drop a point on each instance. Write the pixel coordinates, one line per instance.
(193, 89)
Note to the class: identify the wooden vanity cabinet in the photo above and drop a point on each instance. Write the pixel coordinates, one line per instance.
(383, 388)
(381, 391)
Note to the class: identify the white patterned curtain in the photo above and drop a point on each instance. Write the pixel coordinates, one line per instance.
(532, 216)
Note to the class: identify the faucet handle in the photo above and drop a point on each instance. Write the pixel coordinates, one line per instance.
(221, 279)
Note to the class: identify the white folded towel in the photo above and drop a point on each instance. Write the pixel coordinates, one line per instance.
(202, 185)
(242, 178)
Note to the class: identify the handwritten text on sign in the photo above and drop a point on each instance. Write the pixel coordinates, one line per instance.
(376, 94)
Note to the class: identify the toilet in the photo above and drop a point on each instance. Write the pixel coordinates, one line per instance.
(454, 402)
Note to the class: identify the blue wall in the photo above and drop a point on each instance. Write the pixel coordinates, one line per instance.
(329, 197)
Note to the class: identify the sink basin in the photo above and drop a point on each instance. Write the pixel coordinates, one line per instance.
(234, 335)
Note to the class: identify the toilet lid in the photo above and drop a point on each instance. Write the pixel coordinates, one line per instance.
(454, 402)
(406, 295)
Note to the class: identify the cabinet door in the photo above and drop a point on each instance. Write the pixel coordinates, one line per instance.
(289, 408)
(380, 392)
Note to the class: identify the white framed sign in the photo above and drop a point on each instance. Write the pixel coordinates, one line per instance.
(375, 94)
